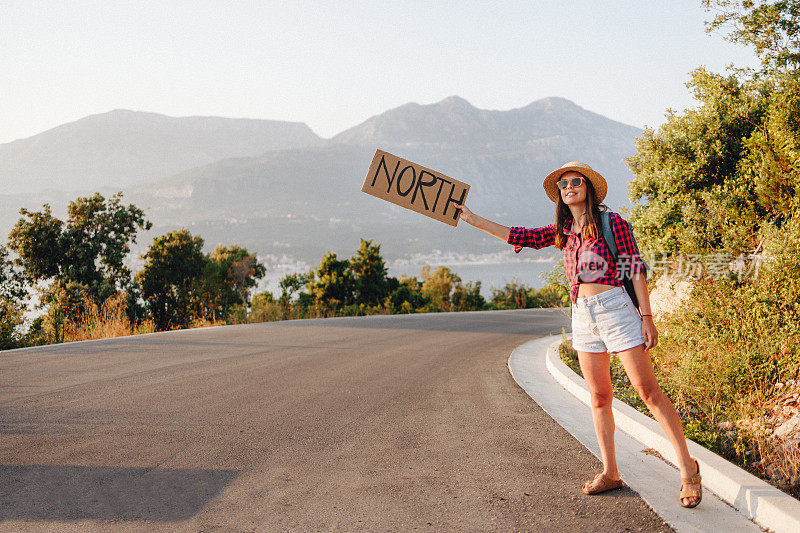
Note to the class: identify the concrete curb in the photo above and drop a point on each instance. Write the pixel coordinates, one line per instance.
(754, 498)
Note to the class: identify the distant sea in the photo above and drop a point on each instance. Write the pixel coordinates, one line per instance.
(492, 270)
(490, 275)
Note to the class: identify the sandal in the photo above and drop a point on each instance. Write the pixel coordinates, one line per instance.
(601, 483)
(692, 493)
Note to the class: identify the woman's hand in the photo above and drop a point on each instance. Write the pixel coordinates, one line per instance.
(466, 215)
(649, 332)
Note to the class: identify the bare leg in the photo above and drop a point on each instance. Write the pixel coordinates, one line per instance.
(596, 371)
(639, 368)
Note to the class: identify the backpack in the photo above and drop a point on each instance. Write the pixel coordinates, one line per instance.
(611, 243)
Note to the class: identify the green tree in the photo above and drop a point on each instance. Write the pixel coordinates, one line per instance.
(513, 296)
(264, 308)
(771, 28)
(711, 177)
(691, 195)
(372, 286)
(334, 283)
(290, 284)
(407, 296)
(239, 270)
(11, 318)
(213, 291)
(89, 249)
(548, 296)
(437, 287)
(467, 297)
(12, 283)
(64, 301)
(171, 278)
(725, 176)
(37, 239)
(12, 291)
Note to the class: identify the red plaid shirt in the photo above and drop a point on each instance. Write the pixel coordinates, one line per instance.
(585, 260)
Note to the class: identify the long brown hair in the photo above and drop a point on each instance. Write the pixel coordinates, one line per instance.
(591, 228)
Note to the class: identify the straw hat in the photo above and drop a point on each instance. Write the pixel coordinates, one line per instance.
(599, 182)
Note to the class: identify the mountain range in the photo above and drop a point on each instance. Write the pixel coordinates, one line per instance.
(282, 191)
(123, 148)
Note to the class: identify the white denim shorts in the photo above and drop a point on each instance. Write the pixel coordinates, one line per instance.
(606, 322)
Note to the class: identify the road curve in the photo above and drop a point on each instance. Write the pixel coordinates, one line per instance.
(380, 423)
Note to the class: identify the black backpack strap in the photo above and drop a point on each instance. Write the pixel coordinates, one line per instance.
(608, 235)
(611, 243)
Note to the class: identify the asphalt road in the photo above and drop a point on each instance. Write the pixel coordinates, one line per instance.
(374, 424)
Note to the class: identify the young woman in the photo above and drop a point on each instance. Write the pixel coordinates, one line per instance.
(604, 319)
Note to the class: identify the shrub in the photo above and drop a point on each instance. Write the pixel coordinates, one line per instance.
(109, 319)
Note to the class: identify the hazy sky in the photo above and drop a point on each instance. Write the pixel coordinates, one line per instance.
(334, 64)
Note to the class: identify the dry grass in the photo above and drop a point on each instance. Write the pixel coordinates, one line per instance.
(105, 321)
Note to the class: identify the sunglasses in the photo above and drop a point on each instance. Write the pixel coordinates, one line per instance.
(562, 184)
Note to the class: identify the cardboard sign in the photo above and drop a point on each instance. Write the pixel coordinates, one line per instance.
(415, 187)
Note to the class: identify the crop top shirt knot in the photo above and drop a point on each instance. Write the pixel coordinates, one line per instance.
(585, 260)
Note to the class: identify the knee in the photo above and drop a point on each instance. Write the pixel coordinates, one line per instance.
(649, 393)
(602, 398)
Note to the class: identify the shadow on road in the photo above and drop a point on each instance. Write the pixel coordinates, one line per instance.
(45, 492)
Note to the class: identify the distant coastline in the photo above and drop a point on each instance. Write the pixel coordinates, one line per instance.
(493, 270)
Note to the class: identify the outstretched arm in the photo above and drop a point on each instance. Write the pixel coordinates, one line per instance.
(492, 228)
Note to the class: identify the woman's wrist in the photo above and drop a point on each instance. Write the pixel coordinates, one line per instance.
(492, 228)
(476, 221)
